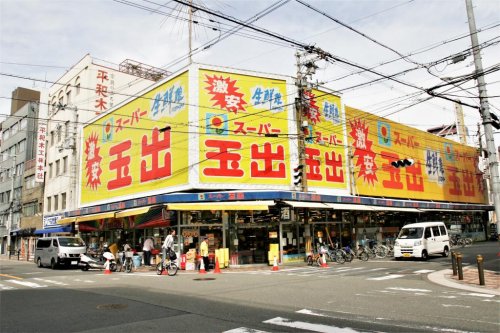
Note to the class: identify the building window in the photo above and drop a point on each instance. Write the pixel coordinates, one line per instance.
(66, 129)
(24, 123)
(22, 146)
(56, 202)
(63, 201)
(49, 205)
(30, 209)
(65, 165)
(50, 170)
(77, 86)
(68, 97)
(59, 132)
(52, 136)
(29, 182)
(58, 167)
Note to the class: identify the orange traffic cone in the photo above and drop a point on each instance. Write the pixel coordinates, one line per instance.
(202, 267)
(323, 263)
(275, 264)
(217, 268)
(106, 265)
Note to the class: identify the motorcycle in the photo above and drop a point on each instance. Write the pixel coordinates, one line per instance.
(87, 262)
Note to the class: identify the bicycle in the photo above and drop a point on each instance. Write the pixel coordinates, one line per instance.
(360, 253)
(127, 263)
(167, 264)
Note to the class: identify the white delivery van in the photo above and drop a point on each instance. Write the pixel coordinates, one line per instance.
(419, 240)
(54, 251)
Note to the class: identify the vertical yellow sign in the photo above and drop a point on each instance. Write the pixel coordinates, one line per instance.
(442, 169)
(139, 148)
(325, 142)
(244, 137)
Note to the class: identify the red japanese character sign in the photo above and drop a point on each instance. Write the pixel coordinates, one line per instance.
(93, 161)
(225, 93)
(363, 153)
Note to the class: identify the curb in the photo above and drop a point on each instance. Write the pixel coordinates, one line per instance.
(440, 277)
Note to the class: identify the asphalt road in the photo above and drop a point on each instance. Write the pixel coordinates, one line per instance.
(379, 295)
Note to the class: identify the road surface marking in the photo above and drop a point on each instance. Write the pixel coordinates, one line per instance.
(455, 305)
(11, 276)
(310, 312)
(410, 289)
(478, 295)
(424, 271)
(6, 287)
(244, 330)
(387, 277)
(27, 284)
(309, 326)
(51, 281)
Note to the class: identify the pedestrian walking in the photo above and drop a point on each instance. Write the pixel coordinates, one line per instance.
(204, 252)
(146, 248)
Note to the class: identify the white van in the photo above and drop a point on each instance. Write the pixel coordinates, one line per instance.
(419, 240)
(54, 251)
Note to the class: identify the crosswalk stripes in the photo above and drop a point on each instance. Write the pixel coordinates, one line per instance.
(372, 274)
(35, 283)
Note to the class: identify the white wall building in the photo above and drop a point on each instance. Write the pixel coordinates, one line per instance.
(85, 91)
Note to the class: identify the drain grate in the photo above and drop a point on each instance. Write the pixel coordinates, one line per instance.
(204, 279)
(112, 306)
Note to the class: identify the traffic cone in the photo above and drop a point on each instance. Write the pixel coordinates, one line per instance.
(202, 267)
(106, 265)
(217, 268)
(323, 259)
(275, 265)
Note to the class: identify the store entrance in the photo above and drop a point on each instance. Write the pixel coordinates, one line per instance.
(253, 243)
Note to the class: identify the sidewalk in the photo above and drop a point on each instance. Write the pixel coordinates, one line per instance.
(470, 280)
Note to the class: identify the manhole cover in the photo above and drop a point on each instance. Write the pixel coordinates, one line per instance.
(204, 279)
(112, 306)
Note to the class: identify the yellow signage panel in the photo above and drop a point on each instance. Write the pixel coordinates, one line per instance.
(325, 141)
(138, 148)
(443, 170)
(244, 134)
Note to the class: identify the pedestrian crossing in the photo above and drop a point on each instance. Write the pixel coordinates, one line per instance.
(310, 324)
(370, 274)
(34, 283)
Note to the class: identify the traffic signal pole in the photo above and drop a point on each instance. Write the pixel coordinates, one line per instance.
(485, 114)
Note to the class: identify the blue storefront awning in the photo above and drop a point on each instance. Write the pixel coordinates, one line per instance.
(53, 230)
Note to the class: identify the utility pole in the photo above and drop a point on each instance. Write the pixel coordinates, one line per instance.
(299, 107)
(485, 115)
(11, 208)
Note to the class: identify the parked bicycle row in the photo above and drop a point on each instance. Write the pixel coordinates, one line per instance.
(335, 253)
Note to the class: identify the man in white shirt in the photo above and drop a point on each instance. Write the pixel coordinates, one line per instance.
(168, 243)
(146, 248)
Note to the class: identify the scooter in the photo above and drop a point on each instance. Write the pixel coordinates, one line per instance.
(87, 262)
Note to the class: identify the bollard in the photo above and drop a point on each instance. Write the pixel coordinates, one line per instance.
(480, 269)
(454, 262)
(459, 265)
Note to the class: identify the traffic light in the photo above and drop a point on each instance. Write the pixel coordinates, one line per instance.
(403, 163)
(297, 175)
(494, 121)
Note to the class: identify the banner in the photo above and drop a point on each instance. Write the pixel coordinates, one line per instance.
(139, 148)
(443, 170)
(244, 133)
(325, 141)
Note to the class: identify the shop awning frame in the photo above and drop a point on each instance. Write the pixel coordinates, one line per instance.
(229, 205)
(304, 204)
(66, 220)
(346, 206)
(134, 211)
(93, 217)
(396, 209)
(53, 230)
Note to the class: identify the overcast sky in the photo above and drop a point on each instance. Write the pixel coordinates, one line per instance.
(40, 40)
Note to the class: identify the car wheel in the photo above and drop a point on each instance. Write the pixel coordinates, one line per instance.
(446, 252)
(53, 264)
(425, 256)
(39, 262)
